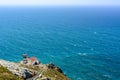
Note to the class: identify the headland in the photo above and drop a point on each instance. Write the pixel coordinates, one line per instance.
(30, 68)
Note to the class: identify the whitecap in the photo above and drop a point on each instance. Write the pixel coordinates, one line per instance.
(82, 54)
(108, 76)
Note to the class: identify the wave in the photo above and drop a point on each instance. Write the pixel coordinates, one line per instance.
(82, 54)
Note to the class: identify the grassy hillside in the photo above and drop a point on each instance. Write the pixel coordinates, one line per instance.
(49, 71)
(5, 74)
(54, 75)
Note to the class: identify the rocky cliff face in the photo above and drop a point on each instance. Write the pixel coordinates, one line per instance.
(5, 74)
(31, 72)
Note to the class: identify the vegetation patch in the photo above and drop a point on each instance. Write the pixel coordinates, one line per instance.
(5, 74)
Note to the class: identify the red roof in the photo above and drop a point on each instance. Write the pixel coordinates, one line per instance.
(33, 59)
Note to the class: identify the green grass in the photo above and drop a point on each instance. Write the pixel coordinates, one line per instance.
(51, 73)
(5, 74)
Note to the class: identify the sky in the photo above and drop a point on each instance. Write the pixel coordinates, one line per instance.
(59, 2)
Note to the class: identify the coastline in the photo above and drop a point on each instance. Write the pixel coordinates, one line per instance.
(34, 72)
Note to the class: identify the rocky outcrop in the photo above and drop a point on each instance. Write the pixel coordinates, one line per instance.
(34, 72)
(52, 66)
(16, 69)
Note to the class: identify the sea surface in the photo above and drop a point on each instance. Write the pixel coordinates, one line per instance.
(83, 41)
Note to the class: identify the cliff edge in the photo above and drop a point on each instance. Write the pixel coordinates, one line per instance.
(30, 69)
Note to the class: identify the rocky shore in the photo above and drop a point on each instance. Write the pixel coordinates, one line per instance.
(30, 71)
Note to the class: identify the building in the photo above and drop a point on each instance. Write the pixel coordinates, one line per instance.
(25, 58)
(29, 61)
(33, 61)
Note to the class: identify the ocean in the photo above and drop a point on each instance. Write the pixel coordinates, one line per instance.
(83, 41)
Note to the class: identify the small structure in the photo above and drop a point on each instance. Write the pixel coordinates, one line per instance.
(33, 61)
(24, 55)
(25, 58)
(29, 61)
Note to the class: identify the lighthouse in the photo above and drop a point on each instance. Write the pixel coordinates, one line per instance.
(24, 58)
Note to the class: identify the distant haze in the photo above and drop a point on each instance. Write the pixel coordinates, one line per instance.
(59, 2)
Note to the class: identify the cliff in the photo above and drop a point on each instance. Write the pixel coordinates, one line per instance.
(20, 71)
(5, 74)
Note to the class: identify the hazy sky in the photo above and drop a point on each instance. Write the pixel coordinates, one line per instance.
(59, 2)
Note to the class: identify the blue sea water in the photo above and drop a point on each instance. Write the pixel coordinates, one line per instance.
(83, 41)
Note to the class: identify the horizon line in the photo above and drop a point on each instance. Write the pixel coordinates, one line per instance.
(59, 5)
